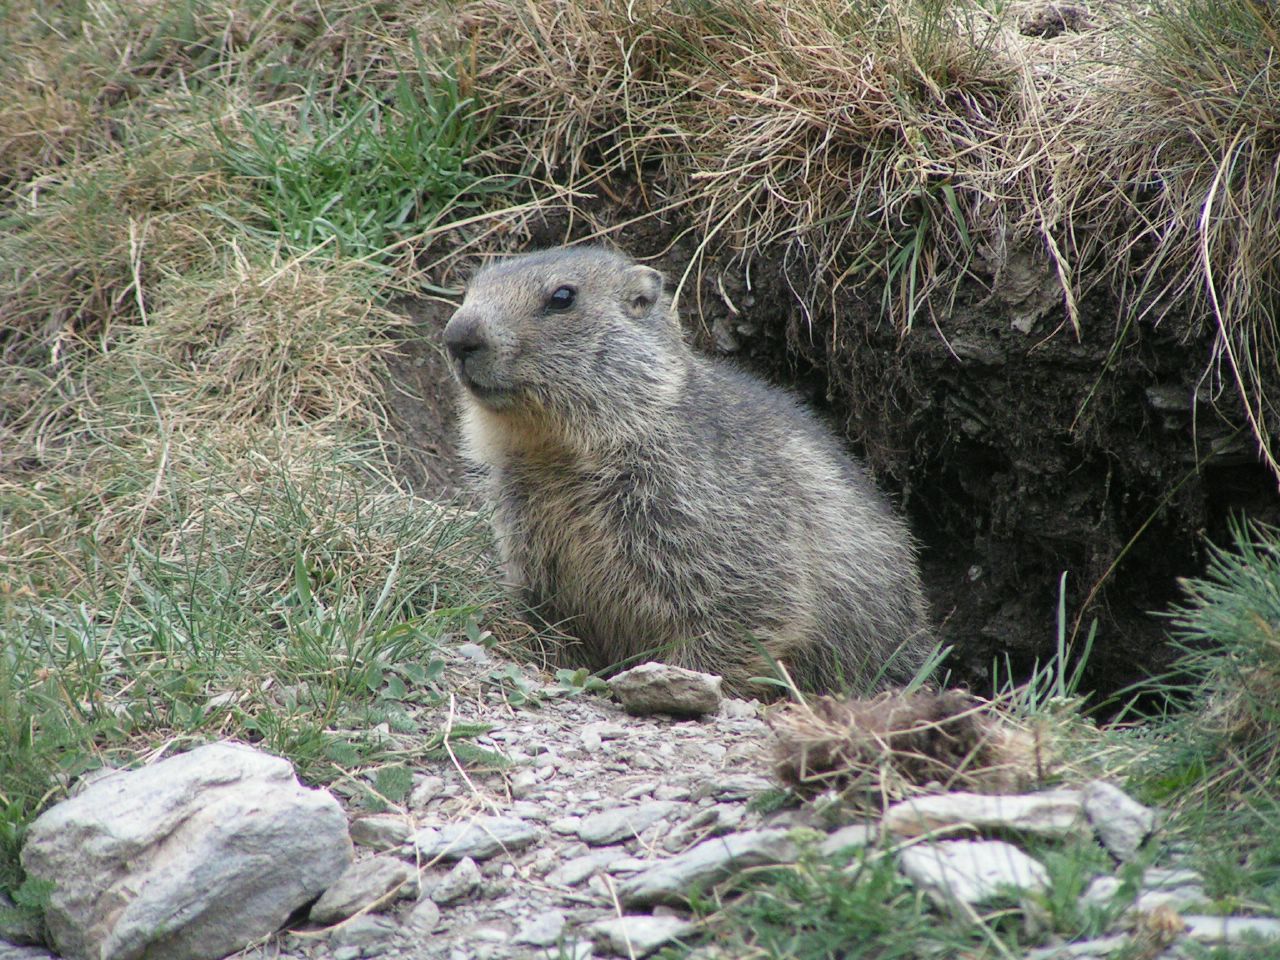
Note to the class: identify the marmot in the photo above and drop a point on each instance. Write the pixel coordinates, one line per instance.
(657, 504)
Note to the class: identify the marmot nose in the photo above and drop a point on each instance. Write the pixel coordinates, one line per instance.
(463, 336)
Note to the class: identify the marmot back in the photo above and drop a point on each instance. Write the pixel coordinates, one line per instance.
(660, 505)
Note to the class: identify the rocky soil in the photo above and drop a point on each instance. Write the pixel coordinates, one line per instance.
(587, 842)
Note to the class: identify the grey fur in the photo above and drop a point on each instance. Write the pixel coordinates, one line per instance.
(663, 505)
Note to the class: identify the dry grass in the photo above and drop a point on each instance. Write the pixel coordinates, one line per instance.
(896, 745)
(905, 146)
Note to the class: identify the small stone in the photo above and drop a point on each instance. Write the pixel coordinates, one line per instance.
(971, 871)
(669, 881)
(735, 786)
(1163, 878)
(733, 709)
(542, 931)
(13, 951)
(1053, 813)
(1101, 892)
(638, 936)
(460, 883)
(363, 883)
(565, 826)
(628, 865)
(573, 872)
(854, 836)
(473, 652)
(363, 931)
(663, 688)
(1121, 823)
(424, 791)
(480, 839)
(523, 783)
(1082, 950)
(424, 916)
(671, 792)
(381, 831)
(623, 823)
(1231, 931)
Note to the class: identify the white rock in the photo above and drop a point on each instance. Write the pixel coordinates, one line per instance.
(669, 881)
(523, 783)
(364, 882)
(543, 930)
(1164, 878)
(572, 872)
(460, 883)
(971, 871)
(1120, 822)
(1176, 889)
(1231, 931)
(854, 836)
(424, 916)
(734, 786)
(638, 936)
(480, 839)
(190, 858)
(424, 791)
(1053, 813)
(671, 791)
(623, 823)
(364, 931)
(1101, 892)
(381, 831)
(1082, 950)
(663, 688)
(13, 951)
(733, 709)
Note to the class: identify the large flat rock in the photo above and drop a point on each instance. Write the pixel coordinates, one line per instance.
(190, 858)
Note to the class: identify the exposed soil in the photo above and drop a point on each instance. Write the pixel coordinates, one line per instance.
(1018, 452)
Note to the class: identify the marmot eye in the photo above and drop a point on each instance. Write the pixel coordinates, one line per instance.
(562, 298)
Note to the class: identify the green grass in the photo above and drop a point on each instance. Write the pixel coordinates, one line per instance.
(299, 612)
(202, 535)
(1215, 760)
(359, 173)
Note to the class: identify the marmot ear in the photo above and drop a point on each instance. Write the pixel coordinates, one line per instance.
(641, 289)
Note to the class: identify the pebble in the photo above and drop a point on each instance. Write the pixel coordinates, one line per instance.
(460, 883)
(623, 823)
(381, 831)
(363, 931)
(542, 931)
(572, 872)
(363, 883)
(664, 688)
(1053, 813)
(480, 839)
(638, 936)
(1231, 931)
(1121, 823)
(424, 916)
(424, 791)
(669, 881)
(971, 871)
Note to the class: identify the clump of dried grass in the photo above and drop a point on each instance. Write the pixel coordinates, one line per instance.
(911, 144)
(899, 744)
(814, 126)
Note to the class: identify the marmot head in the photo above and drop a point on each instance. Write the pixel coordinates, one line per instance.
(566, 330)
